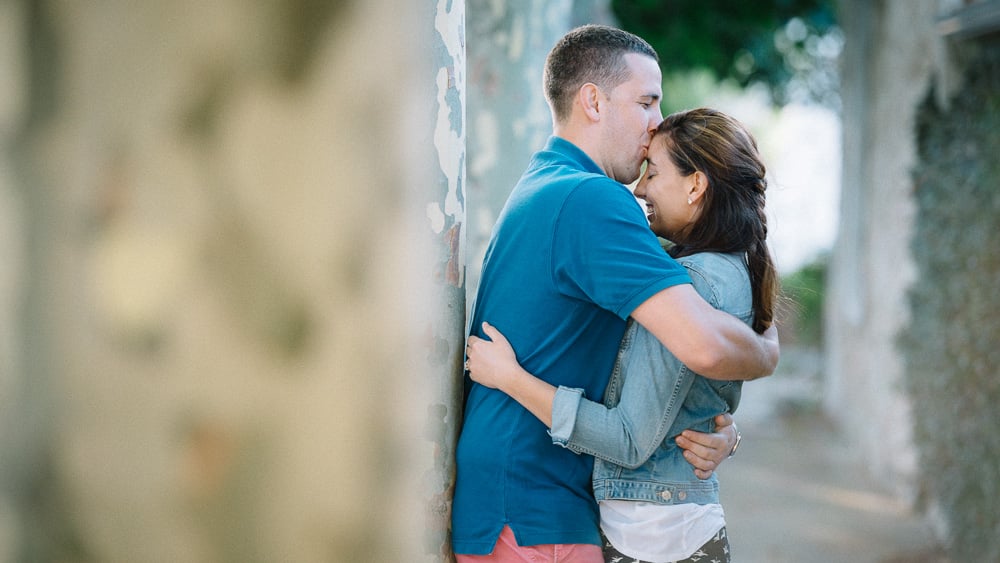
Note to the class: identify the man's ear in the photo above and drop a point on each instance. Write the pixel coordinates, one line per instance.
(591, 100)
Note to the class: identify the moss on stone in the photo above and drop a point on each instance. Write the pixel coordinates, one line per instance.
(952, 345)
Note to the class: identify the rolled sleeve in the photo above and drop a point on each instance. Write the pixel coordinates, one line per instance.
(564, 408)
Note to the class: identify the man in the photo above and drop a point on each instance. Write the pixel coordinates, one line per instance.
(571, 258)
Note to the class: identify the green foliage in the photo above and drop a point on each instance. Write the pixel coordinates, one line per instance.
(801, 311)
(791, 46)
(952, 346)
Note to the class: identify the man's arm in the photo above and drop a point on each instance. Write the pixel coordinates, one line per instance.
(710, 342)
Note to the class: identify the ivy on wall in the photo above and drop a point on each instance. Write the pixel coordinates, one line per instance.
(952, 346)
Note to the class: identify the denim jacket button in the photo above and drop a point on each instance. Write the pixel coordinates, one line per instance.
(682, 495)
(665, 495)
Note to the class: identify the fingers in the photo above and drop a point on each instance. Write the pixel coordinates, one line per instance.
(703, 468)
(703, 451)
(725, 428)
(490, 331)
(724, 419)
(475, 344)
(773, 348)
(493, 333)
(470, 350)
(702, 474)
(702, 446)
(771, 334)
(701, 442)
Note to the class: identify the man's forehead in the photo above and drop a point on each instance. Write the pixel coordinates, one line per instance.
(645, 73)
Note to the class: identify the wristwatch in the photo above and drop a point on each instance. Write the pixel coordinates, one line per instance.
(739, 438)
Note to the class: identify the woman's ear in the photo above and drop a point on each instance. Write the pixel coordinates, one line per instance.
(589, 96)
(698, 186)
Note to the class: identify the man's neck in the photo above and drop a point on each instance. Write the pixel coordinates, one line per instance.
(582, 140)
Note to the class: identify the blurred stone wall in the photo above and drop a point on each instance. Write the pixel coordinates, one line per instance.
(232, 299)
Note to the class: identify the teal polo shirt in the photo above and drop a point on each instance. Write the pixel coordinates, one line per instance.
(570, 258)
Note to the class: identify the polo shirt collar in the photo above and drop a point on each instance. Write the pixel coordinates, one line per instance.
(573, 153)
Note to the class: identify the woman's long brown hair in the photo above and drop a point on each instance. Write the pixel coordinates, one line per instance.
(732, 217)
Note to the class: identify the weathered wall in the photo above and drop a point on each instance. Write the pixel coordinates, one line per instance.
(889, 61)
(950, 346)
(233, 310)
(508, 117)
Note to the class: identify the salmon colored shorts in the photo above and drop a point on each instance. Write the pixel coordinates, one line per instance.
(507, 551)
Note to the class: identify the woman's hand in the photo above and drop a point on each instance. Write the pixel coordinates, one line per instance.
(491, 362)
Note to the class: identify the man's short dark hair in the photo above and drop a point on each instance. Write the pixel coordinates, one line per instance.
(590, 53)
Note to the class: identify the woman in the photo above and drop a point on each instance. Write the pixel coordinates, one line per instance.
(704, 191)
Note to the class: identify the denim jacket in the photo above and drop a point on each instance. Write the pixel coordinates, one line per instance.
(651, 398)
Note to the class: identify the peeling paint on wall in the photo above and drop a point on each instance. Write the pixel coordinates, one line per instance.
(453, 241)
(449, 129)
(446, 214)
(436, 217)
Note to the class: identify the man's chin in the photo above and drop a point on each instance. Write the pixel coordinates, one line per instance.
(631, 178)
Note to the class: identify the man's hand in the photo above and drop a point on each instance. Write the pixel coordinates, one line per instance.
(706, 451)
(772, 345)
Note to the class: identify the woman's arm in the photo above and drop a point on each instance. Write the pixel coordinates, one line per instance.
(494, 364)
(655, 386)
(623, 435)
